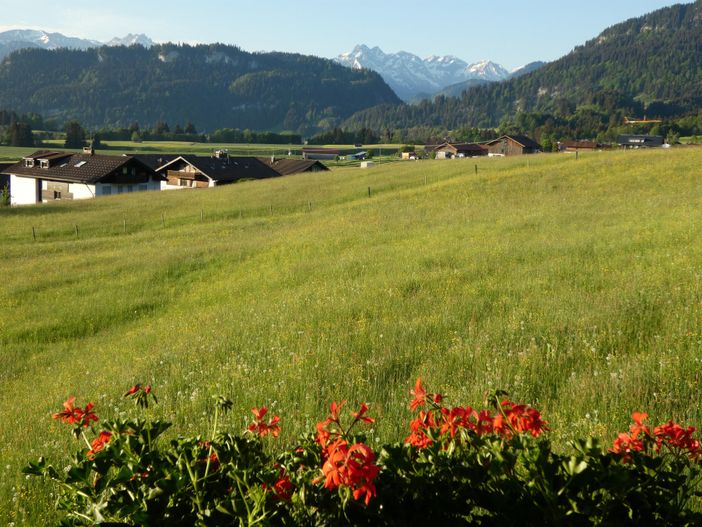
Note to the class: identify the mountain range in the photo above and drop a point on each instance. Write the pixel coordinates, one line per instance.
(646, 65)
(413, 78)
(212, 86)
(15, 39)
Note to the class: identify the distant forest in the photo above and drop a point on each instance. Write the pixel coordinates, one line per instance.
(214, 86)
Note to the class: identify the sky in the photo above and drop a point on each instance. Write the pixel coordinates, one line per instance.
(510, 32)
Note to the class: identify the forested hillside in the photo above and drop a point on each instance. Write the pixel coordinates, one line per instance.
(213, 86)
(651, 64)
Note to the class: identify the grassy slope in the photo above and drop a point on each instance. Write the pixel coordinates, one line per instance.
(575, 285)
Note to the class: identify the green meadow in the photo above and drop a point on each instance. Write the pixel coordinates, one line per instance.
(575, 285)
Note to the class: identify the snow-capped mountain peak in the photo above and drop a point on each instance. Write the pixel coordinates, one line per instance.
(411, 76)
(132, 39)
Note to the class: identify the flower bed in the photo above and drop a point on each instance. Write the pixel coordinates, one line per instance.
(458, 465)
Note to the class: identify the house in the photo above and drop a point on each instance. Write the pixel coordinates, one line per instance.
(52, 175)
(288, 167)
(329, 154)
(452, 150)
(512, 145)
(190, 171)
(640, 141)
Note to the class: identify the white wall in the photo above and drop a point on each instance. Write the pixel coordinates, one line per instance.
(81, 190)
(23, 190)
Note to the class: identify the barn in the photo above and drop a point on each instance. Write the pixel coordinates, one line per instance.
(512, 145)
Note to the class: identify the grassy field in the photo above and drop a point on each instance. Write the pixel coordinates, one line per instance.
(383, 152)
(576, 285)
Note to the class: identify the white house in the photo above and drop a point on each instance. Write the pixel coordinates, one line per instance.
(49, 175)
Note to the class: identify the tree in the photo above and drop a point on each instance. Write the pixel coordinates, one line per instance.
(190, 128)
(161, 128)
(19, 134)
(177, 130)
(75, 135)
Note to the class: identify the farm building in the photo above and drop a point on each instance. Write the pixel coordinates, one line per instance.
(190, 171)
(409, 155)
(50, 175)
(329, 154)
(640, 141)
(288, 167)
(451, 150)
(512, 145)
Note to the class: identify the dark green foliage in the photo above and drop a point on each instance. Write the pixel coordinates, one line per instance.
(651, 64)
(214, 86)
(75, 135)
(19, 134)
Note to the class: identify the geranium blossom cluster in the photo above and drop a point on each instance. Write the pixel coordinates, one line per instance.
(346, 464)
(75, 415)
(435, 420)
(670, 435)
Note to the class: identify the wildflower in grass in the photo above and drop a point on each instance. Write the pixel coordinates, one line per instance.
(361, 415)
(419, 427)
(675, 436)
(419, 394)
(99, 443)
(625, 443)
(141, 394)
(89, 415)
(283, 488)
(262, 427)
(75, 415)
(352, 466)
(71, 414)
(517, 419)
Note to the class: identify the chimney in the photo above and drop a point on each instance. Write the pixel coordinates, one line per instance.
(89, 150)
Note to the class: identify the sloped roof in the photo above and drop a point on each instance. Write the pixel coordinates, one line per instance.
(461, 147)
(72, 168)
(523, 140)
(155, 161)
(226, 169)
(287, 167)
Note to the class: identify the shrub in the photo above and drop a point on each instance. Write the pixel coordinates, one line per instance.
(458, 465)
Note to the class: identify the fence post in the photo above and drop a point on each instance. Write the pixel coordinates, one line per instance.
(34, 234)
(124, 225)
(163, 219)
(369, 192)
(76, 227)
(476, 169)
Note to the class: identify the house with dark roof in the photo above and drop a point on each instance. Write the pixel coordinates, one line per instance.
(640, 141)
(52, 175)
(512, 145)
(190, 171)
(453, 150)
(288, 167)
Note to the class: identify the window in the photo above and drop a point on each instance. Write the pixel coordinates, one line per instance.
(29, 163)
(44, 163)
(57, 194)
(80, 164)
(124, 170)
(106, 190)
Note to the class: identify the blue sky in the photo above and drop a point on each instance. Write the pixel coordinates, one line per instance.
(511, 32)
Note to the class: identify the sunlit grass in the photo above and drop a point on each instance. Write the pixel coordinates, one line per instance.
(573, 284)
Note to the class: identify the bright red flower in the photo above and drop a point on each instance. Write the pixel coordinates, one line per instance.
(71, 414)
(419, 427)
(210, 456)
(262, 427)
(334, 410)
(134, 389)
(420, 395)
(282, 488)
(625, 443)
(352, 466)
(361, 414)
(518, 418)
(673, 435)
(99, 443)
(89, 415)
(147, 389)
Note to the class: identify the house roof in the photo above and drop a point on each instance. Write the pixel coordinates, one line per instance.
(461, 147)
(287, 167)
(155, 161)
(71, 167)
(522, 140)
(580, 144)
(4, 166)
(225, 169)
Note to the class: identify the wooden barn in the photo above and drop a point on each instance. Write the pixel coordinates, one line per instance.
(512, 145)
(452, 150)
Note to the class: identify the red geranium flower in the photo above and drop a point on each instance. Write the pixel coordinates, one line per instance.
(361, 414)
(71, 414)
(260, 426)
(420, 395)
(99, 443)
